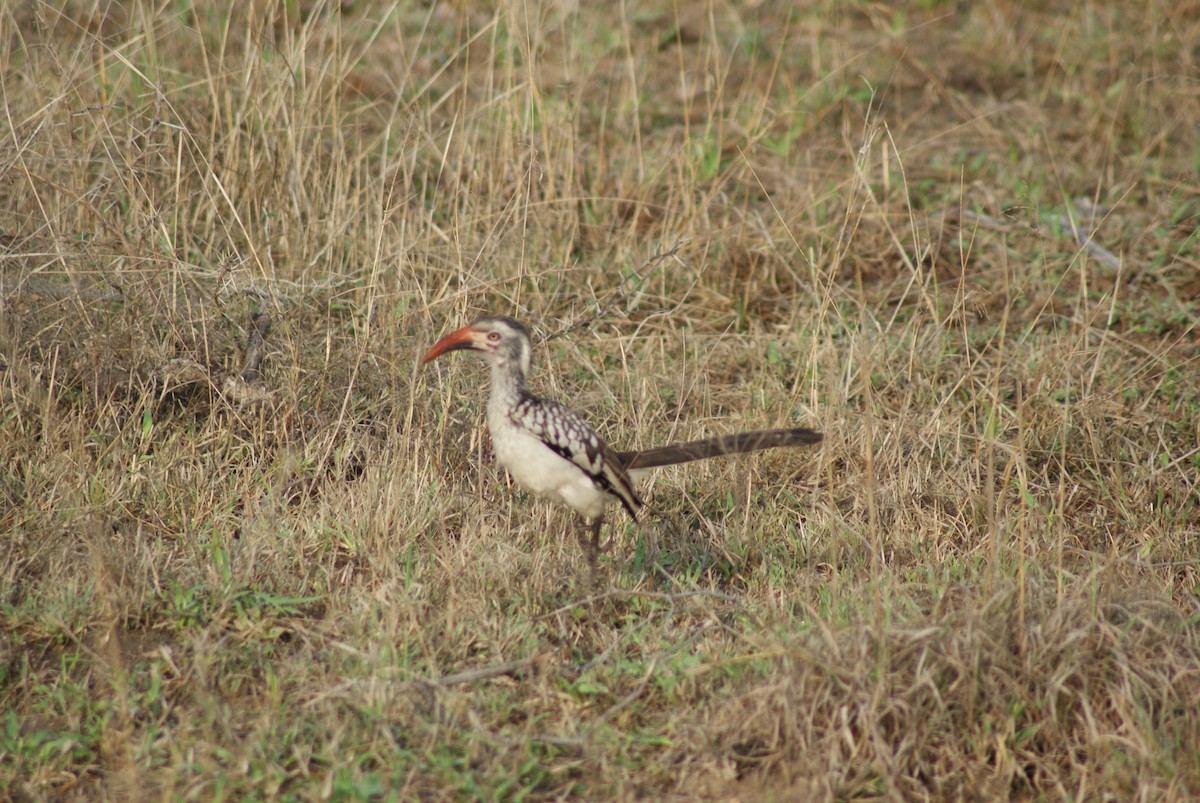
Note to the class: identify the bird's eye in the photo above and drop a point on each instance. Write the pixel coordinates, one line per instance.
(493, 336)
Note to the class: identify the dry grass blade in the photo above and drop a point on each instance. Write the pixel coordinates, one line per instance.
(235, 550)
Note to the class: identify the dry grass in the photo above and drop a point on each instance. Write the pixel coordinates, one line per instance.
(982, 586)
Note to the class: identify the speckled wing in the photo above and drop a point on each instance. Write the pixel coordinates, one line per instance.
(571, 437)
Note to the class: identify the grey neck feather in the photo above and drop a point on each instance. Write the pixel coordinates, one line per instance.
(510, 368)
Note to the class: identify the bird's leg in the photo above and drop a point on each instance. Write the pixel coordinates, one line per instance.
(589, 546)
(596, 525)
(589, 540)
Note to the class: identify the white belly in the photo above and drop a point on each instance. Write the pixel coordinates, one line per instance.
(543, 473)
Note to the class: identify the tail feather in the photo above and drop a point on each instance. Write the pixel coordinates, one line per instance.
(715, 447)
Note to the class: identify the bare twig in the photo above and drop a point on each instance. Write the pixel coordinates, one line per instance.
(630, 698)
(261, 326)
(617, 593)
(620, 294)
(1064, 221)
(1085, 239)
(516, 669)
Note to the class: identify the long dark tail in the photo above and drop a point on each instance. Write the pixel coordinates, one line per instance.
(715, 447)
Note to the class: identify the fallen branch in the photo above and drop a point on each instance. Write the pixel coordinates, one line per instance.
(1064, 221)
(244, 388)
(248, 388)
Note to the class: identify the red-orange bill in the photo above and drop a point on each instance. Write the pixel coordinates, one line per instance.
(455, 341)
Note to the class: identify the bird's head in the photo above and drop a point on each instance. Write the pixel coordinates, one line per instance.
(503, 341)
